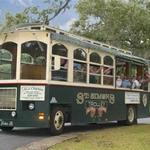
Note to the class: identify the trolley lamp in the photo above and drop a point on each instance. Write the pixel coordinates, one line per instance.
(41, 116)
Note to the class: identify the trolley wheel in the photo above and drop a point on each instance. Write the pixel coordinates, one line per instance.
(6, 129)
(57, 121)
(131, 115)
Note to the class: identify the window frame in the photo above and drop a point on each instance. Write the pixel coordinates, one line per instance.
(12, 61)
(61, 57)
(81, 62)
(95, 64)
(21, 63)
(111, 67)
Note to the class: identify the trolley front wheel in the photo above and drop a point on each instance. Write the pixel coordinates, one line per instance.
(57, 121)
(6, 129)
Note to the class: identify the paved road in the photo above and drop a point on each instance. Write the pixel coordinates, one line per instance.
(22, 136)
(19, 137)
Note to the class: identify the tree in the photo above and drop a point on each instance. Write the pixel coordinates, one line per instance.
(115, 22)
(45, 15)
(35, 14)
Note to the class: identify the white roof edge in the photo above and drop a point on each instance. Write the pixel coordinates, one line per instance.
(42, 27)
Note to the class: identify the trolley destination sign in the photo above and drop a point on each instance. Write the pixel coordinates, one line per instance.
(32, 93)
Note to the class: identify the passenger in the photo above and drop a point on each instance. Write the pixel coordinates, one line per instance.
(77, 66)
(145, 81)
(61, 74)
(141, 81)
(147, 77)
(135, 83)
(64, 63)
(94, 70)
(126, 83)
(108, 71)
(80, 72)
(118, 82)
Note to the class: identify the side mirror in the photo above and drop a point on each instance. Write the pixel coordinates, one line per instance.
(57, 63)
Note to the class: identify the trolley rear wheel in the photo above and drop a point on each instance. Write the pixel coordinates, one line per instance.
(131, 115)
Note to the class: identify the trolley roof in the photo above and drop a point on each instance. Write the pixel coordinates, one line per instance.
(61, 35)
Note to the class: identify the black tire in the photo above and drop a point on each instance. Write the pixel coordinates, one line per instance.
(122, 122)
(6, 129)
(57, 121)
(131, 115)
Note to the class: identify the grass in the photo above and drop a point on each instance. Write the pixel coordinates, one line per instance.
(135, 137)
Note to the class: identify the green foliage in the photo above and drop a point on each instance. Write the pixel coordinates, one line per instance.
(115, 22)
(11, 20)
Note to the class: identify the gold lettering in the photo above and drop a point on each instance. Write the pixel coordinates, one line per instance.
(80, 98)
(86, 95)
(112, 99)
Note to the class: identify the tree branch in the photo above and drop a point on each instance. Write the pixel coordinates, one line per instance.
(59, 10)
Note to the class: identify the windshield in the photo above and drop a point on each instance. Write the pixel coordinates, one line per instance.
(8, 53)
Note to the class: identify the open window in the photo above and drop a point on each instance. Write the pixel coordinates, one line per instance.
(131, 71)
(80, 66)
(62, 73)
(95, 69)
(122, 67)
(108, 71)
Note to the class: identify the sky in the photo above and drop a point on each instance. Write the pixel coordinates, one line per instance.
(62, 21)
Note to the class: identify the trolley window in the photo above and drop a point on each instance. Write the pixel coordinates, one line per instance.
(80, 66)
(95, 69)
(8, 57)
(33, 60)
(62, 73)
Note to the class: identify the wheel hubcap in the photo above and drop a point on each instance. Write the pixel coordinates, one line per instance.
(59, 120)
(131, 115)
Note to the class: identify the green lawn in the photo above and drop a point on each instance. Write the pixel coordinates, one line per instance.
(135, 137)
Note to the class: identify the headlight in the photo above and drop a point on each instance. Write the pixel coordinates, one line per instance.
(13, 113)
(31, 106)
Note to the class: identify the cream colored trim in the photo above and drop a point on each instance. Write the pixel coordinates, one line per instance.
(70, 65)
(49, 62)
(23, 81)
(128, 89)
(80, 84)
(114, 72)
(8, 81)
(33, 81)
(18, 60)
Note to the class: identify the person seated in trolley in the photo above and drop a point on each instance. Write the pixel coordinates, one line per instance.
(61, 74)
(79, 72)
(135, 83)
(126, 83)
(95, 71)
(144, 82)
(141, 83)
(118, 82)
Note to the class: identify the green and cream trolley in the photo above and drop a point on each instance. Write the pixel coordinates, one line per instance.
(49, 77)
